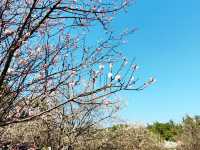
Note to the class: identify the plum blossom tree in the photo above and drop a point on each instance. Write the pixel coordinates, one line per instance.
(47, 60)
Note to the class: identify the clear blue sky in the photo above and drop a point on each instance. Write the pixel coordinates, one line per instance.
(167, 46)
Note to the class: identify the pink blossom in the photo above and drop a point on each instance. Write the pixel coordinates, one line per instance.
(106, 102)
(44, 66)
(41, 32)
(73, 72)
(94, 8)
(41, 76)
(54, 61)
(8, 32)
(31, 113)
(27, 34)
(23, 62)
(17, 115)
(72, 84)
(98, 49)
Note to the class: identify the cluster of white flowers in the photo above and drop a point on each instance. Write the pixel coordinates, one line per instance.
(117, 77)
(10, 70)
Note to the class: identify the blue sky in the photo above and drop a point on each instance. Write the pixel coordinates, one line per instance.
(167, 46)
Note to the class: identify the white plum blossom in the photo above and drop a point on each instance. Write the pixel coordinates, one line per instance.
(110, 65)
(132, 79)
(110, 75)
(126, 62)
(117, 77)
(149, 82)
(97, 73)
(135, 67)
(16, 54)
(117, 106)
(27, 34)
(73, 72)
(125, 2)
(101, 67)
(72, 84)
(10, 70)
(152, 80)
(38, 50)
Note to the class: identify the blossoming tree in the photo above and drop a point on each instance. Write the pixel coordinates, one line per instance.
(47, 60)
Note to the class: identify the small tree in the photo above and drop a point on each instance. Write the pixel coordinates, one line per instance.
(190, 138)
(45, 57)
(166, 131)
(52, 70)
